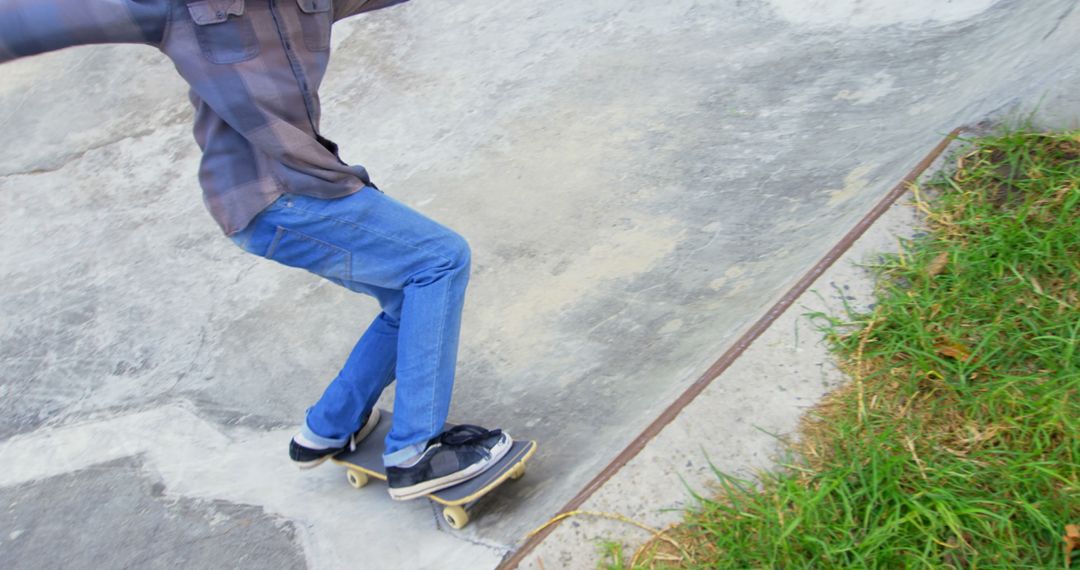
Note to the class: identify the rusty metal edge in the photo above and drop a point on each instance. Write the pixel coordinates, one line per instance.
(731, 354)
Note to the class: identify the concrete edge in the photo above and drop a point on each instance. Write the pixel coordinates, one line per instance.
(516, 557)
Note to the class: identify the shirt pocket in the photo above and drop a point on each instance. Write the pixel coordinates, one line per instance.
(296, 249)
(224, 34)
(316, 19)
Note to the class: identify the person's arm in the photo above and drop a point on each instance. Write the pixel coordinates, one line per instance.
(29, 27)
(346, 8)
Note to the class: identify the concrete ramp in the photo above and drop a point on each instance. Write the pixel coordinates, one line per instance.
(638, 180)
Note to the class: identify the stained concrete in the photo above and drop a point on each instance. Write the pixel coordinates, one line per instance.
(638, 181)
(787, 370)
(78, 519)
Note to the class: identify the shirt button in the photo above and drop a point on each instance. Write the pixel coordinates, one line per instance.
(220, 14)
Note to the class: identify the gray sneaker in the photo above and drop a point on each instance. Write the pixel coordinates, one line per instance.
(457, 455)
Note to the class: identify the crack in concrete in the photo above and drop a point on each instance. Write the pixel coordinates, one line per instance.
(180, 118)
(1060, 19)
(74, 157)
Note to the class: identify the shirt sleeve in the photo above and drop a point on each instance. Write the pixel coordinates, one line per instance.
(346, 8)
(29, 27)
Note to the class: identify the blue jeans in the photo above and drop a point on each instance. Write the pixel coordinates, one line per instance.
(417, 270)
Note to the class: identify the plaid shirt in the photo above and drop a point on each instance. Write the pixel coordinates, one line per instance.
(254, 67)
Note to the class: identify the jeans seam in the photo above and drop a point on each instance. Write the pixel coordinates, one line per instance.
(274, 242)
(373, 232)
(282, 231)
(439, 350)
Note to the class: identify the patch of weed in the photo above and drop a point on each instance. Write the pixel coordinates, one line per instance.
(955, 444)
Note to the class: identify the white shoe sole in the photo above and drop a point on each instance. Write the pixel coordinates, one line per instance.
(428, 487)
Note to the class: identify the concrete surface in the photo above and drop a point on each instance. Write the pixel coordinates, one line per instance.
(787, 370)
(639, 180)
(191, 533)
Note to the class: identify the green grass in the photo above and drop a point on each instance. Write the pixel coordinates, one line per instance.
(956, 443)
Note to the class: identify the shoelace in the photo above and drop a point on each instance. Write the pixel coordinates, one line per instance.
(353, 441)
(464, 434)
(467, 435)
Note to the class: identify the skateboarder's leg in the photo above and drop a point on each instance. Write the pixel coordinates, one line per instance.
(368, 240)
(366, 373)
(427, 351)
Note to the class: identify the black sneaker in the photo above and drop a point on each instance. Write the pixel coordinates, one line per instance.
(459, 454)
(306, 458)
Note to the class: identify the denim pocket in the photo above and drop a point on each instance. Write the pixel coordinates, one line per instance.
(315, 19)
(224, 34)
(295, 249)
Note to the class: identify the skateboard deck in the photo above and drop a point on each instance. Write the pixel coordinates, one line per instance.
(366, 462)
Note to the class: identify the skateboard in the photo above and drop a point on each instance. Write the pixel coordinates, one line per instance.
(365, 463)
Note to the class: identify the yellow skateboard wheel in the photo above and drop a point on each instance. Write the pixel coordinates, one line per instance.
(518, 472)
(456, 517)
(357, 478)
